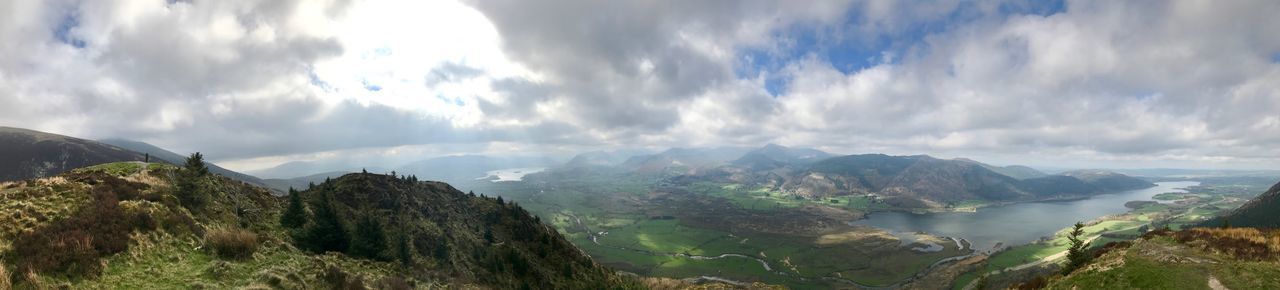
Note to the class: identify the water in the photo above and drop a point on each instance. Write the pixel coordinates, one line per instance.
(511, 174)
(1015, 224)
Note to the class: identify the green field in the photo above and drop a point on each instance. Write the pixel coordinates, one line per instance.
(646, 227)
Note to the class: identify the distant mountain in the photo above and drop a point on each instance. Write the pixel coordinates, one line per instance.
(597, 158)
(302, 182)
(686, 158)
(28, 154)
(1262, 211)
(921, 181)
(175, 158)
(1109, 180)
(463, 168)
(1198, 173)
(774, 156)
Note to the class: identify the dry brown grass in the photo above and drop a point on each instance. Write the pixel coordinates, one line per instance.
(4, 278)
(232, 243)
(1244, 243)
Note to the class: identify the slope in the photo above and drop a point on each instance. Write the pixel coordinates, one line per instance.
(127, 225)
(1201, 258)
(29, 154)
(1262, 211)
(175, 158)
(923, 181)
(773, 156)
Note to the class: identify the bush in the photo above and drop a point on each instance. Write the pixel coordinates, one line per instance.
(73, 245)
(232, 243)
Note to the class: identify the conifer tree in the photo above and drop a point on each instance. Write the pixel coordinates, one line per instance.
(403, 253)
(295, 216)
(189, 191)
(369, 241)
(326, 233)
(1076, 256)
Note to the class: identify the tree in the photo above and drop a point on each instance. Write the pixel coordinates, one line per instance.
(370, 241)
(326, 233)
(402, 250)
(295, 216)
(1076, 256)
(1226, 223)
(190, 193)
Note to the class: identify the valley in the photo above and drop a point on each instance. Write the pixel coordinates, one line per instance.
(691, 222)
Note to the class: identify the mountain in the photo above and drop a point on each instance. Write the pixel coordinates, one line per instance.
(175, 158)
(600, 158)
(1017, 171)
(119, 225)
(921, 181)
(1108, 180)
(1262, 211)
(28, 154)
(774, 156)
(283, 184)
(465, 168)
(683, 158)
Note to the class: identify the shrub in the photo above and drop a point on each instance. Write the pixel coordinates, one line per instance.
(73, 245)
(233, 243)
(341, 280)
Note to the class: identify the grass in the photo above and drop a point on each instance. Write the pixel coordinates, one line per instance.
(1146, 266)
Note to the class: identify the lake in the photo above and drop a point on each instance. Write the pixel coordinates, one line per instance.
(510, 174)
(1015, 224)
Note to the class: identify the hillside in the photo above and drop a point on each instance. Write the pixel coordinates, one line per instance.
(922, 182)
(284, 184)
(141, 226)
(682, 159)
(1262, 211)
(1017, 171)
(28, 154)
(1108, 180)
(773, 156)
(1202, 258)
(175, 158)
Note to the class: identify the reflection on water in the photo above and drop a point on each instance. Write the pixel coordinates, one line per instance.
(1015, 224)
(510, 174)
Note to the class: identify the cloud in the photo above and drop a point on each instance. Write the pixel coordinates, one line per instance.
(1025, 81)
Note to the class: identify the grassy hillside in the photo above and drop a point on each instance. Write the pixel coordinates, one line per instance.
(129, 225)
(1202, 258)
(169, 156)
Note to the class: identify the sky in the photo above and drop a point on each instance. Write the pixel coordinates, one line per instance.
(254, 83)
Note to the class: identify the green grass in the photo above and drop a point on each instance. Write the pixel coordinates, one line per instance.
(1138, 273)
(123, 168)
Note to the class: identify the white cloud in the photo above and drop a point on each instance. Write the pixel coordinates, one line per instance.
(1181, 82)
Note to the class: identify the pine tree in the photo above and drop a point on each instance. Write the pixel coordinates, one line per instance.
(295, 216)
(326, 232)
(370, 241)
(403, 253)
(189, 192)
(1076, 256)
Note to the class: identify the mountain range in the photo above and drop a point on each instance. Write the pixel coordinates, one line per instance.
(30, 154)
(917, 181)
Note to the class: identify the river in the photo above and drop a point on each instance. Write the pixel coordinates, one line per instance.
(1015, 224)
